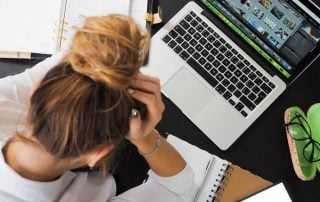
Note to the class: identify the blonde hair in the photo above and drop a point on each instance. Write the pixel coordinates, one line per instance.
(110, 50)
(83, 102)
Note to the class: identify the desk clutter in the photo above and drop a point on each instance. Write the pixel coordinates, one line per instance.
(217, 179)
(47, 27)
(303, 134)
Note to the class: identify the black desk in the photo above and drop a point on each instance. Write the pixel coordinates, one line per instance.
(262, 149)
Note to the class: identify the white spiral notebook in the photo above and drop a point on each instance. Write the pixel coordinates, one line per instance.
(217, 179)
(47, 26)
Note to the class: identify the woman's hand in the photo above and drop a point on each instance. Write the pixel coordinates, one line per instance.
(145, 89)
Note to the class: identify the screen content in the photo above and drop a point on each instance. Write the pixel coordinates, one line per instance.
(279, 32)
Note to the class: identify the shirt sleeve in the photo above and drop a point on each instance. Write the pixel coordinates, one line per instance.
(14, 96)
(17, 87)
(179, 187)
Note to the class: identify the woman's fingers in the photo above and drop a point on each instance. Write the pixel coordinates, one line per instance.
(147, 83)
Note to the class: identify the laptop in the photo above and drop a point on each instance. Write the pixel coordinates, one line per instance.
(224, 62)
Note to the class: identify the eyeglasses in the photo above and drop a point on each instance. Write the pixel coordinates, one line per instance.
(312, 146)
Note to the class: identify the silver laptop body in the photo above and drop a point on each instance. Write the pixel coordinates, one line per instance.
(216, 114)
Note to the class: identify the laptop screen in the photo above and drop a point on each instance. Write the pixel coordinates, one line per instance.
(285, 33)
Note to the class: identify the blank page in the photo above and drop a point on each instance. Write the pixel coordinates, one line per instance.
(76, 10)
(28, 25)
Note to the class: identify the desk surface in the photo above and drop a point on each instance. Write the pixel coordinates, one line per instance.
(263, 148)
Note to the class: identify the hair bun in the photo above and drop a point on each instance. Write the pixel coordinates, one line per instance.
(109, 49)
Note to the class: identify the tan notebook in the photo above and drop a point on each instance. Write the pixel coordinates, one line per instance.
(217, 179)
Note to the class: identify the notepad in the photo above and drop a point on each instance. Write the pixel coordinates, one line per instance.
(47, 26)
(217, 179)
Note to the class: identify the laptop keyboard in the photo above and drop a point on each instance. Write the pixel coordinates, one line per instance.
(226, 70)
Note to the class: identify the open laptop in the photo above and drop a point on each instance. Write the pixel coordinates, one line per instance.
(223, 62)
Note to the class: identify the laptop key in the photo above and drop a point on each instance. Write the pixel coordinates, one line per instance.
(256, 89)
(258, 81)
(204, 53)
(214, 51)
(208, 46)
(214, 71)
(200, 28)
(231, 67)
(188, 18)
(216, 63)
(265, 88)
(208, 66)
(258, 100)
(240, 85)
(220, 89)
(211, 39)
(173, 34)
(187, 37)
(252, 96)
(222, 69)
(210, 58)
(179, 39)
(231, 88)
(204, 24)
(172, 44)
(198, 68)
(184, 24)
(239, 106)
(223, 49)
(232, 102)
(199, 47)
(202, 61)
(228, 74)
(219, 77)
(220, 57)
(237, 93)
(217, 44)
(228, 54)
(193, 14)
(180, 30)
(240, 65)
(196, 55)
(234, 80)
(226, 62)
(166, 39)
(225, 82)
(252, 76)
(191, 30)
(193, 42)
(244, 113)
(185, 45)
(190, 50)
(184, 55)
(205, 33)
(202, 41)
(245, 91)
(197, 36)
(227, 95)
(194, 23)
(177, 49)
(272, 85)
(247, 102)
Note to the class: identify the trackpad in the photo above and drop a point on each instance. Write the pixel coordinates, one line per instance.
(187, 92)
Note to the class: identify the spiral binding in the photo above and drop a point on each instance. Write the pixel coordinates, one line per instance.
(221, 182)
(60, 32)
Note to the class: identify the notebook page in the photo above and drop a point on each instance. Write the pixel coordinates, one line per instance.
(76, 10)
(197, 158)
(138, 10)
(214, 177)
(28, 26)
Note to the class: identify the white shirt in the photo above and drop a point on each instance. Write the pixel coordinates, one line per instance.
(71, 186)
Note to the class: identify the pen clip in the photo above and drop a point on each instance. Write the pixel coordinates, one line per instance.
(154, 18)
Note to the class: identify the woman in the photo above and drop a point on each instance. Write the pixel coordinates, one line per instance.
(81, 109)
